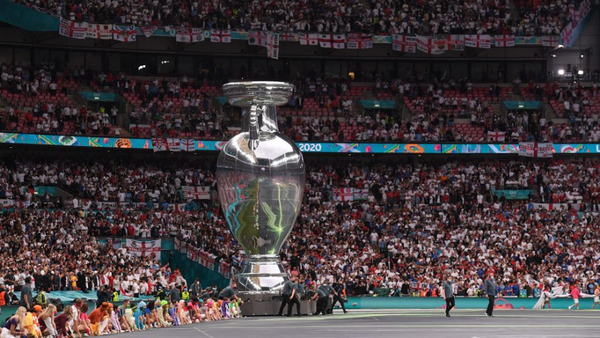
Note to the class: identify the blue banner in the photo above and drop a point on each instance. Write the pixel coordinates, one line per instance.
(514, 194)
(480, 148)
(42, 190)
(99, 97)
(523, 105)
(367, 148)
(378, 104)
(307, 147)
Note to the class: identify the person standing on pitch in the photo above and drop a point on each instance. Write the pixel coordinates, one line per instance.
(339, 295)
(490, 289)
(294, 298)
(596, 296)
(328, 290)
(289, 294)
(575, 294)
(321, 298)
(448, 294)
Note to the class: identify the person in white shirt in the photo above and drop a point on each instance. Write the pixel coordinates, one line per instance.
(53, 87)
(567, 105)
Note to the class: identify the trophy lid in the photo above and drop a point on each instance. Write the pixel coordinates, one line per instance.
(262, 93)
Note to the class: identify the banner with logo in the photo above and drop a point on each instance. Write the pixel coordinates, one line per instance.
(478, 41)
(339, 41)
(220, 35)
(99, 31)
(537, 150)
(431, 45)
(78, 141)
(288, 36)
(359, 41)
(325, 40)
(187, 145)
(148, 31)
(273, 46)
(404, 43)
(166, 144)
(455, 42)
(360, 194)
(343, 194)
(257, 38)
(197, 193)
(308, 39)
(72, 29)
(145, 248)
(504, 40)
(189, 35)
(124, 33)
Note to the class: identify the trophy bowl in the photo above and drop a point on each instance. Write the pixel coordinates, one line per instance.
(261, 93)
(260, 179)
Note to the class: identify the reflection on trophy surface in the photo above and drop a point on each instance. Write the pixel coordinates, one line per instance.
(260, 176)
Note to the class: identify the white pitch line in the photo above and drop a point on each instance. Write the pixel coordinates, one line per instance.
(411, 326)
(204, 333)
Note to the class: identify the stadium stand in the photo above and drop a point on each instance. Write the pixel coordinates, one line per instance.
(378, 16)
(411, 228)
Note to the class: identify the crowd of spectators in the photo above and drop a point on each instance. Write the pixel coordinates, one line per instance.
(174, 107)
(58, 250)
(47, 118)
(435, 108)
(123, 182)
(377, 16)
(418, 222)
(578, 105)
(544, 17)
(37, 102)
(322, 108)
(17, 79)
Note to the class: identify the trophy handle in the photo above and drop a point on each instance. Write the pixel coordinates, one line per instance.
(254, 135)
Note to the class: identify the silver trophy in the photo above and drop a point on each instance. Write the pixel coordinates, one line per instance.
(260, 176)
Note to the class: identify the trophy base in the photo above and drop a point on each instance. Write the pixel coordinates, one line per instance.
(262, 274)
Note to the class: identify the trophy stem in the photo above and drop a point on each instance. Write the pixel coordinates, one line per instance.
(262, 273)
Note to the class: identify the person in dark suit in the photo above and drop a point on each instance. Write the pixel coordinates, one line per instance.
(339, 295)
(56, 281)
(64, 282)
(490, 289)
